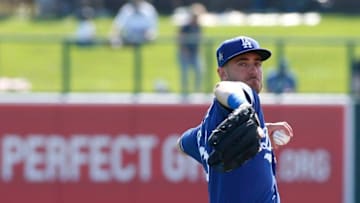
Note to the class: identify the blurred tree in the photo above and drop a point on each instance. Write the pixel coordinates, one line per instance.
(60, 8)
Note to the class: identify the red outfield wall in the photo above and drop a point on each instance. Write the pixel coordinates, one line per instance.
(126, 153)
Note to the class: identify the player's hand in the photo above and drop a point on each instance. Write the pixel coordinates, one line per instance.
(283, 126)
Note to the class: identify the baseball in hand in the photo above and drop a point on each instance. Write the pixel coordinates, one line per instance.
(280, 137)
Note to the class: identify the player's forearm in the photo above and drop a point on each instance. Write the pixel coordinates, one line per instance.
(230, 94)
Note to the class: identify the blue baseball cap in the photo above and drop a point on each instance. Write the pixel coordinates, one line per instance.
(239, 45)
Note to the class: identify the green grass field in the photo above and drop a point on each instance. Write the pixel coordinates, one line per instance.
(319, 55)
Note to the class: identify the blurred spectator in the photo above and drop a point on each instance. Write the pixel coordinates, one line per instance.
(86, 30)
(356, 78)
(135, 23)
(281, 80)
(189, 39)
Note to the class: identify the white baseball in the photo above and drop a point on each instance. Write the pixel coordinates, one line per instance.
(280, 137)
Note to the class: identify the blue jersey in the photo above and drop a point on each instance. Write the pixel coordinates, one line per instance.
(252, 182)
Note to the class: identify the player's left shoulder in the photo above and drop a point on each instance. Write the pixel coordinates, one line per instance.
(249, 93)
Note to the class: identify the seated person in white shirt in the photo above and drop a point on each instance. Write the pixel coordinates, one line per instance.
(135, 23)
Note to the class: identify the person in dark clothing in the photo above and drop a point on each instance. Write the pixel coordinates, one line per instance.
(281, 80)
(189, 40)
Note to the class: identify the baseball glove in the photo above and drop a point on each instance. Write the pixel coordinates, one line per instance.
(235, 140)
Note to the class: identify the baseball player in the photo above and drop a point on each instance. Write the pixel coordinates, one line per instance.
(233, 141)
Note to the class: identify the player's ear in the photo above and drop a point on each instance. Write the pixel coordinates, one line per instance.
(222, 73)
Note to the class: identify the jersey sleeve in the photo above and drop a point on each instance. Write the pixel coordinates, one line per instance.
(188, 143)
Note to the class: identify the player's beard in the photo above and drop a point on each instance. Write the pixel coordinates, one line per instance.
(255, 83)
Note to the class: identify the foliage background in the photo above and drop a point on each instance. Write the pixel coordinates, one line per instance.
(33, 49)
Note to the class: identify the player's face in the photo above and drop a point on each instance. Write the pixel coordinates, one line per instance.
(246, 68)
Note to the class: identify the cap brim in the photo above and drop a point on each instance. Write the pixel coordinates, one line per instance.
(264, 53)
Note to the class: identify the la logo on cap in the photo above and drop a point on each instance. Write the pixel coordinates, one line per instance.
(246, 44)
